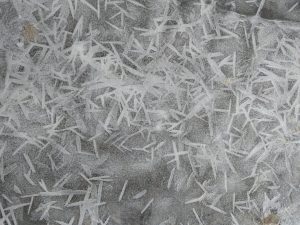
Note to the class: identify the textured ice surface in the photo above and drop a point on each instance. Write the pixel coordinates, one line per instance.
(149, 112)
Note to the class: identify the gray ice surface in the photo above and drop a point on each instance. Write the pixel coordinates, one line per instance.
(149, 112)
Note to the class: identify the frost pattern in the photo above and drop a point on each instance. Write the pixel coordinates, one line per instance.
(149, 112)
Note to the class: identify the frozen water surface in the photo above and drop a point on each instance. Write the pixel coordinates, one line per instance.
(149, 112)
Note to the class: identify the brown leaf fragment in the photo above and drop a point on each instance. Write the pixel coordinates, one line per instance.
(29, 32)
(271, 219)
